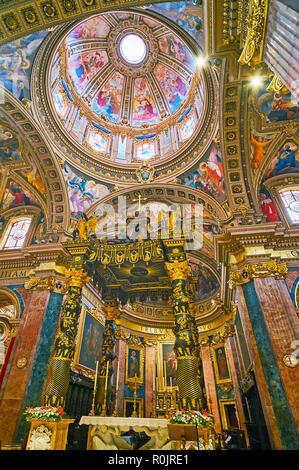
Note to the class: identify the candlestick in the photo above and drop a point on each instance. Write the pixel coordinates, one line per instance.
(94, 390)
(117, 376)
(115, 413)
(106, 381)
(165, 378)
(156, 383)
(105, 393)
(154, 376)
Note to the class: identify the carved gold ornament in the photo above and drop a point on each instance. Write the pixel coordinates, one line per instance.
(253, 47)
(178, 269)
(259, 270)
(22, 362)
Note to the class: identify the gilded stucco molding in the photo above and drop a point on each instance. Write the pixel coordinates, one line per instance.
(256, 27)
(258, 270)
(22, 17)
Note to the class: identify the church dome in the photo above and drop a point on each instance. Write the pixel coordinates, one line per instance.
(125, 86)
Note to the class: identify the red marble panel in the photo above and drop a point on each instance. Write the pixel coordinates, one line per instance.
(210, 385)
(258, 370)
(18, 378)
(150, 362)
(283, 327)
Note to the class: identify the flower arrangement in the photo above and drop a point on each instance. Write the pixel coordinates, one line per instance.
(202, 418)
(48, 413)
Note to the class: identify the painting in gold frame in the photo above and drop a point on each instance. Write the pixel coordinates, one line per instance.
(229, 414)
(134, 364)
(221, 365)
(129, 407)
(89, 344)
(166, 363)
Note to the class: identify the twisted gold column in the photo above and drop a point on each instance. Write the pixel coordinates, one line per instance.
(64, 348)
(186, 344)
(112, 312)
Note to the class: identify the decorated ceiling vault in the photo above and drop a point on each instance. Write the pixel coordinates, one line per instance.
(114, 115)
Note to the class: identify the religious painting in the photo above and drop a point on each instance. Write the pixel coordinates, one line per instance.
(129, 407)
(229, 414)
(206, 282)
(185, 14)
(92, 28)
(259, 144)
(167, 366)
(108, 100)
(221, 364)
(82, 192)
(173, 86)
(277, 107)
(16, 59)
(134, 364)
(9, 144)
(83, 67)
(33, 178)
(286, 160)
(243, 348)
(208, 175)
(173, 46)
(144, 109)
(89, 347)
(15, 196)
(267, 205)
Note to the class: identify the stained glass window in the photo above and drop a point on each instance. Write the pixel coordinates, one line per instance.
(59, 103)
(188, 128)
(145, 150)
(17, 234)
(290, 199)
(98, 142)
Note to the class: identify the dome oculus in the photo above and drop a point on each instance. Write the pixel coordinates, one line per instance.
(132, 49)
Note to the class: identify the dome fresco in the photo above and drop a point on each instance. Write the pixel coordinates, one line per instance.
(129, 75)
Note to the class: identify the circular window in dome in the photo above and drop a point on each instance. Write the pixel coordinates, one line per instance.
(133, 49)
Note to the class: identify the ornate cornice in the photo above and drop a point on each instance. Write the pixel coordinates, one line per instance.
(259, 270)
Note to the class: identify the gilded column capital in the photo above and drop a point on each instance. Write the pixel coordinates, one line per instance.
(256, 27)
(258, 270)
(111, 312)
(77, 277)
(51, 283)
(178, 270)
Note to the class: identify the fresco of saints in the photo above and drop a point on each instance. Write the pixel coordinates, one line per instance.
(83, 67)
(143, 105)
(16, 60)
(108, 100)
(9, 145)
(286, 161)
(268, 208)
(259, 151)
(82, 193)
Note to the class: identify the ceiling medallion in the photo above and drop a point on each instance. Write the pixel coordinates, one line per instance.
(132, 48)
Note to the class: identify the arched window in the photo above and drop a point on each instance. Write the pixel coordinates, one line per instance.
(188, 128)
(145, 150)
(97, 142)
(290, 199)
(16, 233)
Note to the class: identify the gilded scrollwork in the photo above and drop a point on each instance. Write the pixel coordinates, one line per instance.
(259, 270)
(256, 25)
